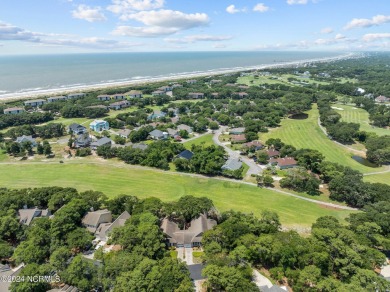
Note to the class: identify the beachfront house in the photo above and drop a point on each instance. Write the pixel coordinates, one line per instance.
(196, 95)
(232, 164)
(76, 129)
(99, 125)
(165, 88)
(190, 237)
(24, 138)
(76, 95)
(35, 102)
(120, 104)
(103, 97)
(192, 81)
(134, 94)
(57, 98)
(13, 110)
(119, 96)
(158, 92)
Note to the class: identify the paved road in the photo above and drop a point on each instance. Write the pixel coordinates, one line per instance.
(360, 152)
(254, 168)
(261, 280)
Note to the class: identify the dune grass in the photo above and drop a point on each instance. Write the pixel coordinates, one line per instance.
(141, 182)
(307, 134)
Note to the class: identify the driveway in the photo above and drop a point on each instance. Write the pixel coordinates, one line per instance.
(254, 168)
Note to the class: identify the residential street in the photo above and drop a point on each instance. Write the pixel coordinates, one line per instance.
(254, 168)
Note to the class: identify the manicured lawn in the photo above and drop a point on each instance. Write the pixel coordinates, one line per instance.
(207, 140)
(251, 80)
(383, 178)
(352, 114)
(307, 134)
(115, 179)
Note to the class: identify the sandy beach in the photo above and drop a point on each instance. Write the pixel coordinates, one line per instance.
(4, 98)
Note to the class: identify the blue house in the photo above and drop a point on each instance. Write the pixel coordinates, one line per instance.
(99, 125)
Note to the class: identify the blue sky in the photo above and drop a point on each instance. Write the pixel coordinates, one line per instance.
(72, 26)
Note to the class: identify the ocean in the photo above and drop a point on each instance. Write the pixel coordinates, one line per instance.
(45, 73)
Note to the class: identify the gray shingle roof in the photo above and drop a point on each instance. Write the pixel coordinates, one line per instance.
(232, 164)
(186, 154)
(156, 133)
(101, 142)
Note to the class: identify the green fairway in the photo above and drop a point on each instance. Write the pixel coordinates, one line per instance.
(383, 178)
(206, 140)
(141, 182)
(352, 114)
(307, 134)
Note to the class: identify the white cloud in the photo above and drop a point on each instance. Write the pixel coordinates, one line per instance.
(232, 9)
(146, 31)
(326, 30)
(260, 7)
(90, 14)
(161, 22)
(294, 2)
(339, 36)
(126, 7)
(366, 22)
(198, 38)
(171, 19)
(371, 37)
(12, 33)
(219, 46)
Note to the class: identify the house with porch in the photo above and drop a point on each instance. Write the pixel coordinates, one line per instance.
(158, 92)
(119, 105)
(99, 125)
(77, 129)
(82, 140)
(190, 237)
(119, 96)
(57, 98)
(14, 110)
(35, 102)
(134, 94)
(103, 97)
(76, 95)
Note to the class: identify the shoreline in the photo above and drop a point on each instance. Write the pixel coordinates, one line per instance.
(16, 96)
